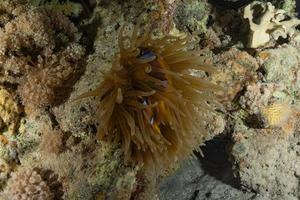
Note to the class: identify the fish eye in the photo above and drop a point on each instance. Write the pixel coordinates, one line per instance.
(146, 55)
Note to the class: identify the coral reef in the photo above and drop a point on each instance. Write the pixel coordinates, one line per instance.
(257, 96)
(87, 170)
(5, 170)
(152, 99)
(40, 61)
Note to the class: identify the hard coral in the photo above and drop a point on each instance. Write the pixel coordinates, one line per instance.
(272, 23)
(151, 102)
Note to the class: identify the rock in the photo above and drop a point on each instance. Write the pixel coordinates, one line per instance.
(192, 182)
(192, 15)
(281, 66)
(236, 69)
(267, 161)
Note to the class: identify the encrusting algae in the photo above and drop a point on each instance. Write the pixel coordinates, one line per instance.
(151, 102)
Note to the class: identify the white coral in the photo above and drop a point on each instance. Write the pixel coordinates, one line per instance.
(271, 23)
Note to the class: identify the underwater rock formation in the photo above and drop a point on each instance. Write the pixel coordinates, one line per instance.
(51, 52)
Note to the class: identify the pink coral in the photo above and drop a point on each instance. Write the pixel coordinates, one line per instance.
(27, 184)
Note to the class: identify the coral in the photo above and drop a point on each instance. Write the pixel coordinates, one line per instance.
(268, 23)
(9, 9)
(51, 142)
(236, 70)
(287, 5)
(268, 105)
(5, 169)
(267, 162)
(163, 12)
(103, 168)
(277, 113)
(125, 184)
(10, 112)
(88, 170)
(42, 88)
(151, 102)
(27, 184)
(68, 8)
(83, 170)
(192, 15)
(39, 51)
(145, 186)
(281, 67)
(257, 96)
(30, 133)
(282, 115)
(168, 9)
(7, 163)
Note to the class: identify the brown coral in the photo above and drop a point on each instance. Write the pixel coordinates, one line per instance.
(27, 184)
(52, 142)
(42, 88)
(151, 101)
(9, 9)
(238, 69)
(40, 51)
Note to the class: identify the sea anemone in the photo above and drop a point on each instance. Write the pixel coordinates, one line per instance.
(151, 100)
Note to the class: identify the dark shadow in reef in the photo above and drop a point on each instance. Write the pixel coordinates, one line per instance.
(298, 7)
(233, 25)
(215, 161)
(224, 5)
